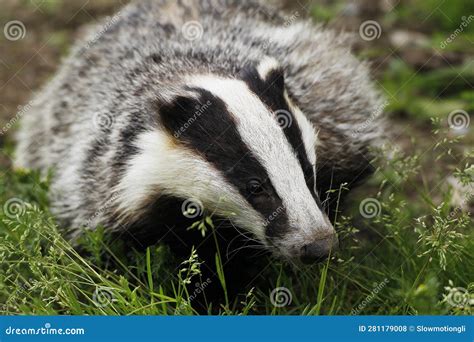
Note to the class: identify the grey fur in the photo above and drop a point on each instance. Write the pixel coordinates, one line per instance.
(141, 54)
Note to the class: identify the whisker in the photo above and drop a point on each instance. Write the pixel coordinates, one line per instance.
(241, 234)
(256, 247)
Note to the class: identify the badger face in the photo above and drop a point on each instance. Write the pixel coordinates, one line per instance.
(241, 149)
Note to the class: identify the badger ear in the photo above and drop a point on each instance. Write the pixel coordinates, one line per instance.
(264, 75)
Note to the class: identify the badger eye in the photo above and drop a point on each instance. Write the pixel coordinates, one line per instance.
(254, 187)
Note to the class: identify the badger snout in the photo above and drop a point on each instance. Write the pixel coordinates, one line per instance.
(319, 249)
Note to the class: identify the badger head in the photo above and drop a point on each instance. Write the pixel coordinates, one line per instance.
(238, 147)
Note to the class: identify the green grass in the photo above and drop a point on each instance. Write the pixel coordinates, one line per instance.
(400, 261)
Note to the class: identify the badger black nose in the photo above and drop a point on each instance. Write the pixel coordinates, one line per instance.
(318, 250)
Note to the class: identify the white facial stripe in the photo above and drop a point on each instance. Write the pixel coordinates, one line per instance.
(308, 134)
(307, 130)
(256, 124)
(166, 168)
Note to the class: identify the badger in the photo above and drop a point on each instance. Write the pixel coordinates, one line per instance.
(169, 112)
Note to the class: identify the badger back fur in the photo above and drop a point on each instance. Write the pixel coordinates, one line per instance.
(136, 123)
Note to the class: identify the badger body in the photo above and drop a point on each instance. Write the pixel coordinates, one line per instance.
(231, 109)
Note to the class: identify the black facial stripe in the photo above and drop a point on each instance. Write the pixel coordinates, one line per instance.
(271, 91)
(213, 134)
